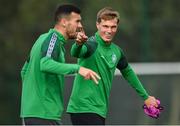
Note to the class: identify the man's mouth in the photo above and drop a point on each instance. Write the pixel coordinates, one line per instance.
(107, 34)
(80, 29)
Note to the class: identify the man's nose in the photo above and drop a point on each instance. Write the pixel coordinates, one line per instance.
(109, 29)
(80, 25)
(80, 28)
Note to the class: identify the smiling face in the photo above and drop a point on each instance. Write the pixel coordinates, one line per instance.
(107, 23)
(107, 29)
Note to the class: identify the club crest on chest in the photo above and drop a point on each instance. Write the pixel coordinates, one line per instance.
(114, 58)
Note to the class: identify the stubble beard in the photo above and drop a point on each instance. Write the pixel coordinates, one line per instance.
(71, 35)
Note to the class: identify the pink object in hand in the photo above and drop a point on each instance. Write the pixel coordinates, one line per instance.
(153, 111)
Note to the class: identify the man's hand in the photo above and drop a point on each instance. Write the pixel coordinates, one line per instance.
(152, 107)
(89, 74)
(81, 37)
(151, 101)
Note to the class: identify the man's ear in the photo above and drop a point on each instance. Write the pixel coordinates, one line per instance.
(63, 22)
(97, 25)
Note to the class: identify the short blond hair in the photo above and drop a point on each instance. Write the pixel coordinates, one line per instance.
(107, 13)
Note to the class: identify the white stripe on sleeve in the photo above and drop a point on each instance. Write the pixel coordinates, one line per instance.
(51, 45)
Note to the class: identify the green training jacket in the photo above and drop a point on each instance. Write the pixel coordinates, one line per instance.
(43, 77)
(95, 54)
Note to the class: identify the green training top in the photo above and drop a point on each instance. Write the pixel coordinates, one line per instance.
(43, 77)
(87, 97)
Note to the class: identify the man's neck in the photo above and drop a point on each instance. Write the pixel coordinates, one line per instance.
(61, 30)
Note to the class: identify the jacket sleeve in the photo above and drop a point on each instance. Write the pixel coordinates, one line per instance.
(24, 69)
(49, 65)
(131, 77)
(85, 50)
(78, 50)
(51, 51)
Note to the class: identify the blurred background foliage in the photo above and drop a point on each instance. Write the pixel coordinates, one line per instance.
(148, 32)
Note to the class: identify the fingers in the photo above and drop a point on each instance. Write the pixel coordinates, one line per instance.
(92, 75)
(81, 38)
(89, 74)
(151, 101)
(96, 75)
(154, 101)
(93, 78)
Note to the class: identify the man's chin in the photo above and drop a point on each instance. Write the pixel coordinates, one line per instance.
(108, 40)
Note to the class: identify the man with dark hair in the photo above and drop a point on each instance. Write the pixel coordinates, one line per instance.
(43, 72)
(88, 104)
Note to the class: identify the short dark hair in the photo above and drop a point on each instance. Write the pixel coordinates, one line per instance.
(65, 10)
(107, 13)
